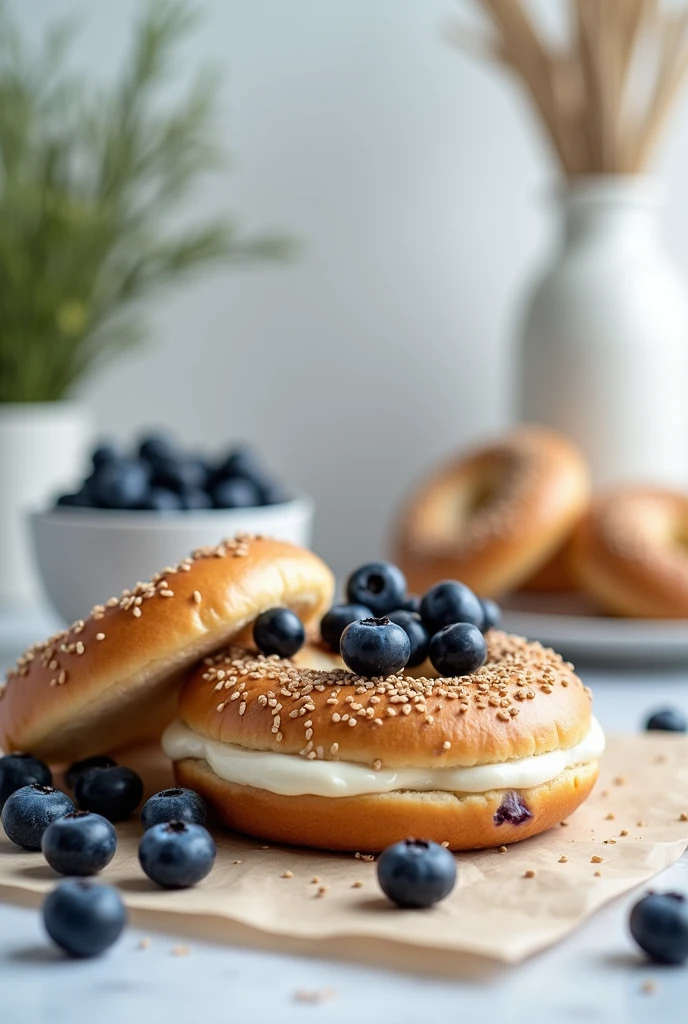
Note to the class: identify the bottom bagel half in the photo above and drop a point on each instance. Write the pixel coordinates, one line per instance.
(371, 822)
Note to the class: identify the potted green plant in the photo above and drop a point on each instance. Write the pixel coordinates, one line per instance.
(91, 178)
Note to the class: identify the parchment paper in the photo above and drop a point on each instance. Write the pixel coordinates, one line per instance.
(636, 821)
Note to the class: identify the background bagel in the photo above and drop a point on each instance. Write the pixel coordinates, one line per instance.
(630, 553)
(495, 517)
(113, 678)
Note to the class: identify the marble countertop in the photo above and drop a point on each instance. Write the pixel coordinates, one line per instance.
(596, 975)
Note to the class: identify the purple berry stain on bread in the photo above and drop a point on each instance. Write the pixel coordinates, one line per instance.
(512, 809)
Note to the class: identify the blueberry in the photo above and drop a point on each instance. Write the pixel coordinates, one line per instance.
(667, 720)
(380, 586)
(179, 475)
(279, 631)
(235, 492)
(416, 873)
(17, 770)
(154, 447)
(107, 451)
(458, 650)
(84, 918)
(492, 614)
(375, 647)
(411, 603)
(449, 602)
(113, 792)
(80, 499)
(194, 498)
(659, 924)
(334, 622)
(159, 499)
(28, 812)
(173, 805)
(272, 492)
(97, 761)
(80, 843)
(241, 461)
(412, 625)
(121, 484)
(177, 854)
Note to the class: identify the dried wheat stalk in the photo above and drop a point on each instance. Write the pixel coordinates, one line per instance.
(605, 96)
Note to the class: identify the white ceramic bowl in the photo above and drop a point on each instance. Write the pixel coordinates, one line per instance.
(85, 556)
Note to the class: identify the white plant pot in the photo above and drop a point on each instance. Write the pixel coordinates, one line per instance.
(604, 341)
(42, 451)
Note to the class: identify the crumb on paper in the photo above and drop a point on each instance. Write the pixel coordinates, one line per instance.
(564, 824)
(501, 849)
(143, 943)
(641, 824)
(265, 847)
(180, 951)
(596, 859)
(683, 816)
(357, 885)
(661, 759)
(609, 817)
(620, 780)
(529, 873)
(563, 859)
(624, 832)
(287, 874)
(597, 874)
(321, 890)
(648, 987)
(305, 995)
(237, 862)
(605, 792)
(315, 879)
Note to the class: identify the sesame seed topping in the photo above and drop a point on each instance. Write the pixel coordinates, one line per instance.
(100, 636)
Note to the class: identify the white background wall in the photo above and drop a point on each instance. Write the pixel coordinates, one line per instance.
(420, 190)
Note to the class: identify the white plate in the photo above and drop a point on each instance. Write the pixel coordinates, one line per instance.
(571, 627)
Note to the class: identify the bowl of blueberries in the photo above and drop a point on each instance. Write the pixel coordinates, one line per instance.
(150, 505)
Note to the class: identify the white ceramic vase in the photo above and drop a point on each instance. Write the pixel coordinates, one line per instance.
(42, 451)
(603, 352)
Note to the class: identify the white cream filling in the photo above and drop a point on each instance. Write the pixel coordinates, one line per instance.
(292, 775)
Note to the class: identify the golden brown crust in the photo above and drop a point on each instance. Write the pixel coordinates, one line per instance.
(113, 679)
(630, 553)
(493, 518)
(370, 823)
(525, 700)
(556, 577)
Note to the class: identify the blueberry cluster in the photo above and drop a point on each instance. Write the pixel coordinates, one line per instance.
(176, 851)
(381, 629)
(159, 477)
